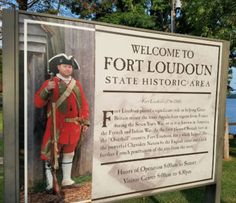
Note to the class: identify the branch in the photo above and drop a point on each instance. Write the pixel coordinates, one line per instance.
(30, 4)
(59, 5)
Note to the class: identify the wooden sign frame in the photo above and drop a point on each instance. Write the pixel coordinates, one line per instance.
(13, 103)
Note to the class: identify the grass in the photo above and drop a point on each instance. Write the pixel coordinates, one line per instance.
(1, 184)
(82, 179)
(228, 193)
(1, 147)
(1, 171)
(184, 196)
(1, 119)
(1, 131)
(41, 185)
(1, 155)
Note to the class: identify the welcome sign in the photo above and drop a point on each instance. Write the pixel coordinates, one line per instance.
(156, 104)
(156, 99)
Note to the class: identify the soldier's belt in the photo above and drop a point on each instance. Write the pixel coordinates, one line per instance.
(76, 120)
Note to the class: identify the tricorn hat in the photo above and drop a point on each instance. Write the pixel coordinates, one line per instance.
(61, 59)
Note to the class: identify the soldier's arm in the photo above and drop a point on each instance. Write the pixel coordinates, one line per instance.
(42, 95)
(84, 107)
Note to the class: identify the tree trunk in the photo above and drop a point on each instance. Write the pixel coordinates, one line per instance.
(23, 4)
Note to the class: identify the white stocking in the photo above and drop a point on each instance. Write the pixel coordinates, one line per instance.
(48, 174)
(66, 166)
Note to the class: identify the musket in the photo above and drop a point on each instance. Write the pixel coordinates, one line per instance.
(54, 148)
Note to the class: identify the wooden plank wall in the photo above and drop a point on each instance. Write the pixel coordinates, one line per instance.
(45, 41)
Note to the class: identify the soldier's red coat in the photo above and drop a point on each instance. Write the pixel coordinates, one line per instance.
(74, 106)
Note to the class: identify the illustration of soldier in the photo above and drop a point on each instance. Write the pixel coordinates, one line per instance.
(67, 119)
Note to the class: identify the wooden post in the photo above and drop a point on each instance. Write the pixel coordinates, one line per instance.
(226, 140)
(11, 106)
(82, 52)
(212, 192)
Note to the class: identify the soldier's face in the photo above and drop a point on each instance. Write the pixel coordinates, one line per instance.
(65, 70)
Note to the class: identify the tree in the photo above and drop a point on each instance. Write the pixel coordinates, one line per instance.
(212, 18)
(41, 6)
(130, 14)
(20, 4)
(151, 14)
(160, 10)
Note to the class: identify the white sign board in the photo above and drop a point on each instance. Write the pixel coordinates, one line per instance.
(156, 100)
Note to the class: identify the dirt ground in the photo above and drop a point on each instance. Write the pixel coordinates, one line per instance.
(75, 194)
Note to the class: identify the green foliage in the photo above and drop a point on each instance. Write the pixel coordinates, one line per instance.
(1, 118)
(212, 18)
(160, 10)
(134, 19)
(1, 147)
(0, 66)
(1, 183)
(150, 14)
(1, 135)
(1, 167)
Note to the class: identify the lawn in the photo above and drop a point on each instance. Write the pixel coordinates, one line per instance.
(1, 184)
(228, 194)
(184, 196)
(1, 131)
(1, 120)
(1, 155)
(1, 171)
